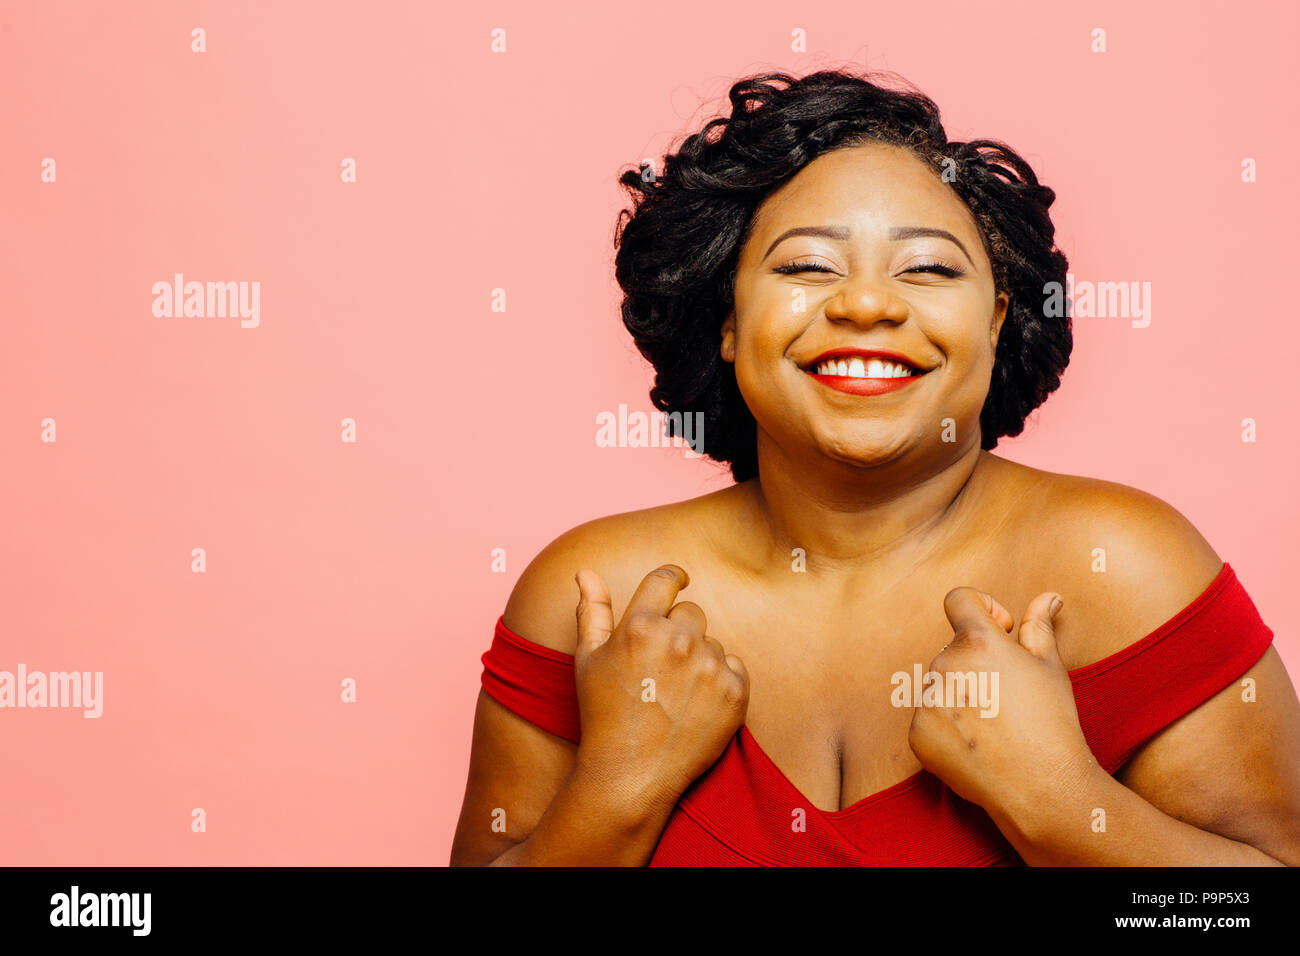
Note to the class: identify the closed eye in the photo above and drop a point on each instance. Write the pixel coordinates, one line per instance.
(796, 267)
(936, 267)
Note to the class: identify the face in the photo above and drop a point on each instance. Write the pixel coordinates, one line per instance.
(893, 263)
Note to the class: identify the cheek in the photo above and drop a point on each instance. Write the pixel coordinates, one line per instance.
(968, 372)
(967, 352)
(751, 370)
(965, 341)
(762, 371)
(757, 350)
(768, 331)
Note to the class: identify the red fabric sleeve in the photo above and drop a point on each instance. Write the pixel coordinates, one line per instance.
(533, 681)
(1126, 699)
(1123, 700)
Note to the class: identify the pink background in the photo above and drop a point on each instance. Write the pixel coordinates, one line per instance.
(477, 171)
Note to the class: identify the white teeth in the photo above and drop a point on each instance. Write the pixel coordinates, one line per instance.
(858, 368)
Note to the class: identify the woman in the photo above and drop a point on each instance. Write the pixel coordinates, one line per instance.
(858, 309)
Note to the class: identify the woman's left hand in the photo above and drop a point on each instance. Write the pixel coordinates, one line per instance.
(1024, 743)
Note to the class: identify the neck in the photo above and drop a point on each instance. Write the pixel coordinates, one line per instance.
(848, 516)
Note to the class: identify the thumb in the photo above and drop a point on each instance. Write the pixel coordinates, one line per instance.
(741, 671)
(1037, 630)
(737, 665)
(595, 614)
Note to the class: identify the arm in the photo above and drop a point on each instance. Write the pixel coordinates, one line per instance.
(536, 799)
(1218, 787)
(529, 802)
(525, 783)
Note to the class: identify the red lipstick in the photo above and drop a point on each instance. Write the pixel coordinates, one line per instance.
(857, 385)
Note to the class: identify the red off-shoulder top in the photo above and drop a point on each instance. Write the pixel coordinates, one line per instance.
(742, 811)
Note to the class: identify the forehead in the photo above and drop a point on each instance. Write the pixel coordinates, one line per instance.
(868, 188)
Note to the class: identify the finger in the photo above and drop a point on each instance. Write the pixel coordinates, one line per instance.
(738, 666)
(657, 591)
(1000, 614)
(970, 609)
(595, 613)
(1037, 632)
(689, 616)
(716, 646)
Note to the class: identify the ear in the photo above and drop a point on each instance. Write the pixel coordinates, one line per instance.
(728, 350)
(1000, 304)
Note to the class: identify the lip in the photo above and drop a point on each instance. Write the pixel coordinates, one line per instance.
(864, 386)
(852, 385)
(864, 354)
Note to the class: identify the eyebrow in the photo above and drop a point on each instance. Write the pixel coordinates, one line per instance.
(843, 232)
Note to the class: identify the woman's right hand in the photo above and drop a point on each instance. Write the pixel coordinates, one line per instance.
(658, 699)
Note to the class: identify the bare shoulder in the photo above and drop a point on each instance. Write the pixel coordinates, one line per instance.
(1129, 559)
(622, 548)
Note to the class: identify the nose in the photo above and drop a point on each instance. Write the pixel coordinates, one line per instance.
(865, 301)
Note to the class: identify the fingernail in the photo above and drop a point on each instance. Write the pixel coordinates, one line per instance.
(1056, 605)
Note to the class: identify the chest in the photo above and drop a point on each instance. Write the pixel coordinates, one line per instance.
(829, 672)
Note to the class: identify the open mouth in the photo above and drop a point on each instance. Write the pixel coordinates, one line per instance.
(857, 367)
(859, 372)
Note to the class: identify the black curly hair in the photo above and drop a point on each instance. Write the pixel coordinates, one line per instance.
(678, 247)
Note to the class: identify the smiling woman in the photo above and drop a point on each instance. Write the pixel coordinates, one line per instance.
(854, 307)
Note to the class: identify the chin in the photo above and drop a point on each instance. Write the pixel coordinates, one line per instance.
(863, 453)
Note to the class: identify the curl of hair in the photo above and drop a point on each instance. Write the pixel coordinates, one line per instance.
(679, 244)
